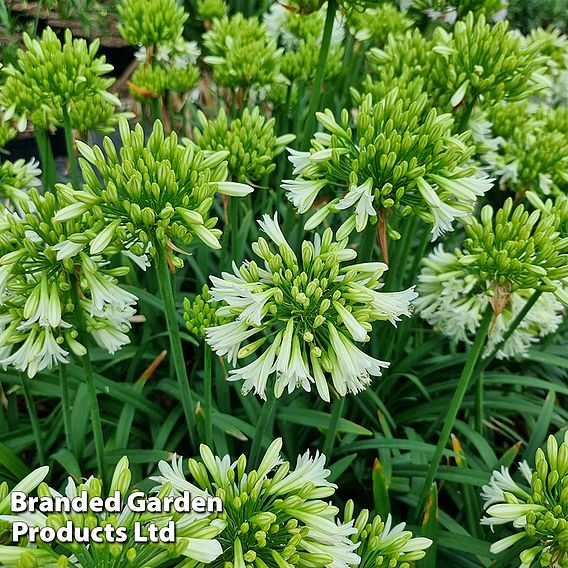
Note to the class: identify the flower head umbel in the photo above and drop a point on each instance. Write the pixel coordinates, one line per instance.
(150, 194)
(382, 544)
(51, 74)
(400, 157)
(538, 511)
(276, 515)
(39, 325)
(242, 54)
(307, 313)
(196, 538)
(452, 299)
(201, 313)
(151, 22)
(16, 178)
(251, 141)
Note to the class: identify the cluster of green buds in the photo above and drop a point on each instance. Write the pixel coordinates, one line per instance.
(152, 194)
(151, 22)
(195, 538)
(44, 291)
(242, 54)
(201, 313)
(275, 515)
(300, 35)
(516, 250)
(452, 299)
(49, 76)
(376, 23)
(250, 140)
(306, 313)
(538, 511)
(16, 178)
(209, 10)
(477, 61)
(532, 150)
(94, 113)
(382, 544)
(404, 60)
(400, 158)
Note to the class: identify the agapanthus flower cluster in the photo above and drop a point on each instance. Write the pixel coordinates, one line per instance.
(150, 194)
(380, 543)
(516, 250)
(16, 178)
(202, 313)
(174, 69)
(276, 515)
(151, 22)
(40, 285)
(477, 60)
(376, 23)
(537, 508)
(532, 150)
(400, 157)
(453, 299)
(211, 9)
(251, 141)
(196, 538)
(242, 54)
(50, 75)
(300, 35)
(300, 318)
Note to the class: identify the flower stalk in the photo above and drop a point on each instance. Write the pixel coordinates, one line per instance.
(96, 421)
(320, 72)
(455, 405)
(166, 291)
(70, 145)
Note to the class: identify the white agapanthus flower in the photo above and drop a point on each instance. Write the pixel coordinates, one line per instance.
(453, 301)
(287, 517)
(307, 312)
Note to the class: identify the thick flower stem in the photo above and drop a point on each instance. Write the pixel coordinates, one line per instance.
(208, 395)
(70, 145)
(167, 293)
(96, 421)
(46, 158)
(455, 405)
(336, 414)
(36, 428)
(233, 216)
(65, 404)
(266, 415)
(320, 72)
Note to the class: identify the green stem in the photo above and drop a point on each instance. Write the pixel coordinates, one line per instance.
(208, 396)
(167, 293)
(336, 413)
(65, 403)
(455, 405)
(320, 72)
(368, 239)
(91, 386)
(233, 214)
(46, 158)
(70, 145)
(36, 428)
(268, 410)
